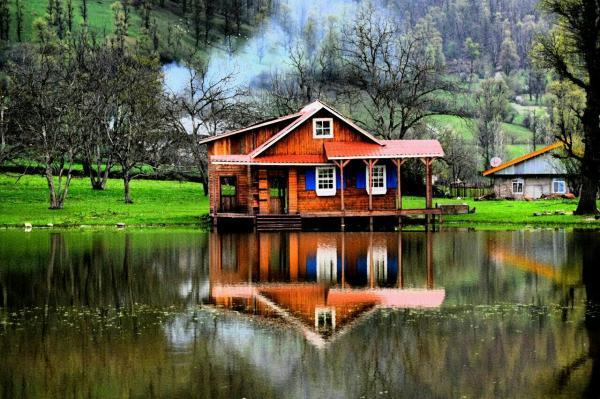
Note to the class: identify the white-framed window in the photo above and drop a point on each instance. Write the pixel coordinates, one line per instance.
(379, 185)
(326, 263)
(325, 319)
(559, 186)
(325, 181)
(323, 128)
(380, 265)
(517, 186)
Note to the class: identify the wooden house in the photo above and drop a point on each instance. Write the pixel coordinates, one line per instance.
(312, 164)
(532, 175)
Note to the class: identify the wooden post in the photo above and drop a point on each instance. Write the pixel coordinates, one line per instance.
(429, 258)
(398, 163)
(343, 260)
(371, 266)
(400, 269)
(249, 177)
(342, 165)
(428, 182)
(370, 163)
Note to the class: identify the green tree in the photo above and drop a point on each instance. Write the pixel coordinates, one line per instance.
(83, 7)
(472, 53)
(19, 20)
(509, 58)
(572, 50)
(491, 102)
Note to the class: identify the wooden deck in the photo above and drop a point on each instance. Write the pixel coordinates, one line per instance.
(270, 222)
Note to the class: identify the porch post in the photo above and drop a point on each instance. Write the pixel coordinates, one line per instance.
(342, 165)
(398, 163)
(370, 164)
(428, 182)
(429, 258)
(249, 185)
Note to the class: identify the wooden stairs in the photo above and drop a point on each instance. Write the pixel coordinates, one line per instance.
(283, 222)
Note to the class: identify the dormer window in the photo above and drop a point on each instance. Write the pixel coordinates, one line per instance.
(323, 128)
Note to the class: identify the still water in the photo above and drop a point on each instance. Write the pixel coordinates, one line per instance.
(168, 313)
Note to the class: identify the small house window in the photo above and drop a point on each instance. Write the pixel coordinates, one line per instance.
(517, 186)
(323, 128)
(379, 180)
(325, 181)
(559, 186)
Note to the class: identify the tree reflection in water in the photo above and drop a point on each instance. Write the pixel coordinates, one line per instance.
(183, 313)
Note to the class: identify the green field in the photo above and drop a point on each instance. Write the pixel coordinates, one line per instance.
(155, 203)
(173, 203)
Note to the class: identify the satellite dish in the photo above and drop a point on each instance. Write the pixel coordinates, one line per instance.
(496, 161)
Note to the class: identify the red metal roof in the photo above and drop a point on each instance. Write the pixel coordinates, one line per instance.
(252, 127)
(389, 149)
(270, 160)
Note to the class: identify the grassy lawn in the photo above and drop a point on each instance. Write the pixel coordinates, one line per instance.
(175, 203)
(506, 213)
(155, 203)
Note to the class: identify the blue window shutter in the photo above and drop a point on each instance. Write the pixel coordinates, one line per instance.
(309, 183)
(311, 268)
(361, 178)
(391, 177)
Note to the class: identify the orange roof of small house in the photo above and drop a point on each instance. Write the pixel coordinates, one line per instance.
(523, 158)
(387, 149)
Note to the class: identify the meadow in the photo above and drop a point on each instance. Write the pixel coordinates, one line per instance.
(173, 203)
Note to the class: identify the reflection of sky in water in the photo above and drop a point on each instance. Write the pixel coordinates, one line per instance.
(272, 40)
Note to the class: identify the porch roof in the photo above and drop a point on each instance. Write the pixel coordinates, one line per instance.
(389, 149)
(270, 160)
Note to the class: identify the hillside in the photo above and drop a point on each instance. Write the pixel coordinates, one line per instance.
(168, 18)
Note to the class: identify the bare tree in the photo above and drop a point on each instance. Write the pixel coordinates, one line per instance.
(199, 110)
(396, 77)
(45, 101)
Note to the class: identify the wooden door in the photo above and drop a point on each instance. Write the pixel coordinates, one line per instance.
(228, 193)
(277, 193)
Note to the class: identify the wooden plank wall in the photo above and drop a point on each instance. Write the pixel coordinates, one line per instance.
(301, 140)
(215, 172)
(292, 191)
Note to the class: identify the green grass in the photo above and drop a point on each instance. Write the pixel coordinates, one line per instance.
(507, 213)
(174, 203)
(155, 203)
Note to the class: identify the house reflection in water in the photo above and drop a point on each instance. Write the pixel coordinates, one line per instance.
(320, 283)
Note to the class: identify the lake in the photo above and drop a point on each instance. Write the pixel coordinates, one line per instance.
(184, 313)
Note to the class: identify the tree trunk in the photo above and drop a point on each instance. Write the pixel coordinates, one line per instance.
(126, 180)
(590, 167)
(205, 185)
(53, 198)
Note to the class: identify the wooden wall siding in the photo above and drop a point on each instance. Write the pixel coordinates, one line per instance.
(292, 191)
(244, 143)
(355, 199)
(214, 174)
(301, 141)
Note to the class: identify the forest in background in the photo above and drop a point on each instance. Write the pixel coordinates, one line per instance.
(461, 71)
